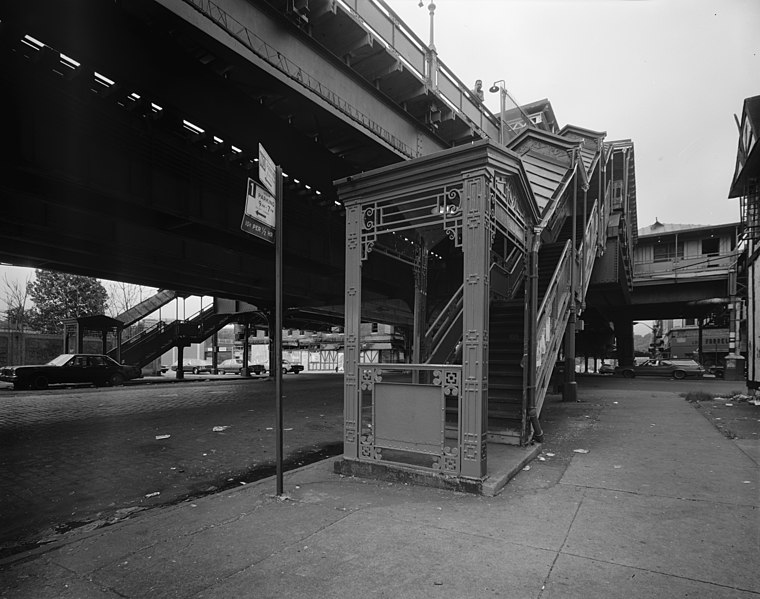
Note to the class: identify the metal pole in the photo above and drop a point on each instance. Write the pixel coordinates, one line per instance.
(502, 108)
(431, 8)
(569, 391)
(278, 323)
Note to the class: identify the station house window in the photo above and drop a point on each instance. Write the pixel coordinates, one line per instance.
(711, 246)
(665, 251)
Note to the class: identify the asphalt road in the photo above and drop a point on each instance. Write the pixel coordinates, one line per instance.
(84, 457)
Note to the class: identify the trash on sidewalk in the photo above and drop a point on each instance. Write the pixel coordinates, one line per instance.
(580, 450)
(153, 494)
(526, 468)
(159, 437)
(219, 429)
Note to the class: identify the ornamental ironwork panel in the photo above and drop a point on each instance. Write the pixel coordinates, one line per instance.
(414, 424)
(408, 212)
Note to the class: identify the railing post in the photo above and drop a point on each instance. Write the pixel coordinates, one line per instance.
(352, 332)
(531, 342)
(476, 239)
(569, 391)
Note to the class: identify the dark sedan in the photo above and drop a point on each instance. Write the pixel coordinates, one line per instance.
(235, 366)
(96, 369)
(678, 369)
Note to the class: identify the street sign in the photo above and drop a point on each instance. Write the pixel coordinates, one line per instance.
(266, 170)
(259, 215)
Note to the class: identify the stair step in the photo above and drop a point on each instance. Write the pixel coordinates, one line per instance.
(496, 387)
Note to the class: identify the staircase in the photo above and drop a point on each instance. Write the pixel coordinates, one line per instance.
(146, 307)
(508, 380)
(506, 376)
(154, 341)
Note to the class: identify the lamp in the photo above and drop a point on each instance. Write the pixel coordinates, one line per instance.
(498, 86)
(431, 9)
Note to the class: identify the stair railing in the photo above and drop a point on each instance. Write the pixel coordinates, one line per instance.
(507, 276)
(441, 336)
(151, 331)
(551, 318)
(441, 328)
(587, 252)
(146, 307)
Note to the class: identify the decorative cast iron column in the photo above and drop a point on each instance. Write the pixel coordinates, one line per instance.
(476, 242)
(352, 326)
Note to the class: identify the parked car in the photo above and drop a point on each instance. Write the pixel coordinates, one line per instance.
(193, 365)
(677, 369)
(605, 368)
(717, 371)
(235, 366)
(288, 366)
(98, 369)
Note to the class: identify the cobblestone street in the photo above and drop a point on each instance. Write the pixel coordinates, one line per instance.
(84, 457)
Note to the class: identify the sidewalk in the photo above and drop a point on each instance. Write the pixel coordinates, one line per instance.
(662, 505)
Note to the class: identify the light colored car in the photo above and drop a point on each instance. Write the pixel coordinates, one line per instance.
(288, 366)
(606, 369)
(678, 369)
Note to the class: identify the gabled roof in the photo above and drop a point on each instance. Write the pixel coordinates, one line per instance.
(548, 161)
(748, 152)
(591, 145)
(543, 107)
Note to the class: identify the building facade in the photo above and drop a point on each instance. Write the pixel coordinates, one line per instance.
(678, 251)
(746, 186)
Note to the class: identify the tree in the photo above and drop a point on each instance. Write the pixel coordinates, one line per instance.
(124, 296)
(16, 300)
(58, 296)
(16, 317)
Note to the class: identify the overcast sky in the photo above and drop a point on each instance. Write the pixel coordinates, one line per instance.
(667, 74)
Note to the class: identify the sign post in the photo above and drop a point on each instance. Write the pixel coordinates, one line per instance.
(278, 326)
(263, 218)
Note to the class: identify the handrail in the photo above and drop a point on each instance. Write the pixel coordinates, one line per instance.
(386, 25)
(440, 328)
(553, 281)
(587, 253)
(510, 272)
(446, 319)
(551, 319)
(152, 330)
(445, 314)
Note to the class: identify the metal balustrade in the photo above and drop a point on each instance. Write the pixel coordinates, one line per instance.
(552, 319)
(684, 268)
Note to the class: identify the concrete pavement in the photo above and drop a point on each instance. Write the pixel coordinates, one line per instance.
(662, 505)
